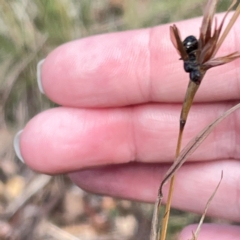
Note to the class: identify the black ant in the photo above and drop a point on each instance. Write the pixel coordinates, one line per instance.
(191, 65)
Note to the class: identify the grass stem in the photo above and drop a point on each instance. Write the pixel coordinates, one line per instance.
(170, 193)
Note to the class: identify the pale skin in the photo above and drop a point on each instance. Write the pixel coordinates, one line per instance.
(121, 96)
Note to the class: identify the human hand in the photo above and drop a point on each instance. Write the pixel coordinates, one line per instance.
(116, 131)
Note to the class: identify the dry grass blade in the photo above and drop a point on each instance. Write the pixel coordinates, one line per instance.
(177, 42)
(222, 60)
(208, 41)
(208, 15)
(185, 153)
(195, 234)
(193, 145)
(229, 26)
(155, 219)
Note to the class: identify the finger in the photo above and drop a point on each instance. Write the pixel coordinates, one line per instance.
(133, 67)
(67, 139)
(212, 231)
(195, 183)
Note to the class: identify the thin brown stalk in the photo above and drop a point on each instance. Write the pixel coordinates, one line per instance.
(184, 154)
(196, 233)
(167, 210)
(165, 220)
(192, 89)
(156, 233)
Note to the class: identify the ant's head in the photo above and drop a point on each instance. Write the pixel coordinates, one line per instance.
(190, 44)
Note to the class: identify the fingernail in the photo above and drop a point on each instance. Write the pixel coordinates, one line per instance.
(39, 80)
(16, 144)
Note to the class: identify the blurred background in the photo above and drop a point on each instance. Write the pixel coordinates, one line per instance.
(35, 206)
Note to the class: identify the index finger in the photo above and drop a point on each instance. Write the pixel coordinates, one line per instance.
(133, 67)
